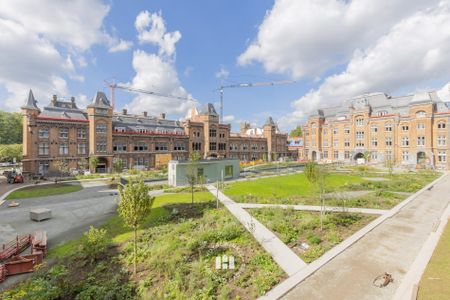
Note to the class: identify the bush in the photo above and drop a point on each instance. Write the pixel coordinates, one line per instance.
(314, 239)
(94, 243)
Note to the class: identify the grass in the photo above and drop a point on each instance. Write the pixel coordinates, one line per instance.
(44, 190)
(435, 283)
(296, 227)
(178, 245)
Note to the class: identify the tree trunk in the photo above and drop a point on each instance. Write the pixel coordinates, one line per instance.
(135, 251)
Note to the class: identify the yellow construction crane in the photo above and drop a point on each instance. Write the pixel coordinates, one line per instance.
(114, 86)
(247, 85)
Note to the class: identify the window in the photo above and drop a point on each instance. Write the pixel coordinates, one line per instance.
(441, 125)
(382, 113)
(100, 128)
(325, 154)
(359, 144)
(213, 146)
(179, 147)
(405, 141)
(405, 155)
(161, 147)
(223, 146)
(359, 122)
(374, 128)
(43, 133)
(43, 148)
(325, 143)
(388, 141)
(405, 127)
(196, 146)
(64, 133)
(335, 131)
(335, 154)
(346, 143)
(120, 147)
(346, 130)
(388, 155)
(442, 140)
(120, 129)
(43, 167)
(139, 161)
(101, 146)
(81, 134)
(420, 114)
(420, 126)
(313, 125)
(360, 135)
(347, 154)
(335, 143)
(420, 141)
(374, 142)
(63, 149)
(388, 127)
(325, 131)
(442, 156)
(81, 148)
(212, 133)
(374, 155)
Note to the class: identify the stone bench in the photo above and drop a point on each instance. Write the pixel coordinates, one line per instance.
(40, 214)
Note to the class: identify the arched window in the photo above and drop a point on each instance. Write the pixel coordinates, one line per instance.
(388, 127)
(359, 121)
(420, 114)
(100, 128)
(442, 125)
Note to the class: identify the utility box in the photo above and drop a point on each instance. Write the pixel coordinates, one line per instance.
(40, 214)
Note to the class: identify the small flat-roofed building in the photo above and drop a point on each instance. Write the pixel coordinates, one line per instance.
(207, 171)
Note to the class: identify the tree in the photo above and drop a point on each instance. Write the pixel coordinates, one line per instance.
(9, 152)
(10, 128)
(389, 163)
(83, 163)
(62, 166)
(93, 162)
(94, 243)
(118, 165)
(192, 177)
(296, 132)
(134, 205)
(316, 175)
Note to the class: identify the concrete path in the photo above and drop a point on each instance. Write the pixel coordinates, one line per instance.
(317, 208)
(390, 247)
(282, 254)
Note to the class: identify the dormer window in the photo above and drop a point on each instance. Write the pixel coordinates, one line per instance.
(420, 114)
(382, 113)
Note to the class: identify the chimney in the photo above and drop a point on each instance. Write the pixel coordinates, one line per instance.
(124, 111)
(72, 100)
(145, 113)
(54, 99)
(163, 116)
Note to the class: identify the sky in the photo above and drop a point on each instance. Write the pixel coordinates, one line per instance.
(328, 50)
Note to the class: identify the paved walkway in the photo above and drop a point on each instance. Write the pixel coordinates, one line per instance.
(282, 254)
(391, 247)
(317, 208)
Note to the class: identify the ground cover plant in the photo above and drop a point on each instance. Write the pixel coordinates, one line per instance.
(44, 190)
(177, 248)
(436, 278)
(297, 227)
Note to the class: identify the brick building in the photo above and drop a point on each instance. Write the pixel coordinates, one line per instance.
(410, 131)
(63, 132)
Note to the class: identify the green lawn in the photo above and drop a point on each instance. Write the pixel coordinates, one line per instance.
(44, 190)
(435, 283)
(274, 189)
(296, 227)
(178, 246)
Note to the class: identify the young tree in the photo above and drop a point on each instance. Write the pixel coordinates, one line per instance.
(390, 166)
(316, 175)
(62, 166)
(135, 204)
(192, 177)
(118, 165)
(83, 164)
(93, 162)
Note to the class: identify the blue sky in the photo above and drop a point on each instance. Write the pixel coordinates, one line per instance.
(332, 49)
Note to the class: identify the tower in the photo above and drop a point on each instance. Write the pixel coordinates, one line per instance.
(30, 111)
(269, 131)
(100, 114)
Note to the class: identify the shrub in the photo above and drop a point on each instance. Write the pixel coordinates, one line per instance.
(94, 243)
(314, 239)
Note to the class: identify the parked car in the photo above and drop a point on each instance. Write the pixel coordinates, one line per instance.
(13, 177)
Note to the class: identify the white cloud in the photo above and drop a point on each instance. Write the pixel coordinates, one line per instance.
(223, 73)
(415, 51)
(152, 29)
(120, 45)
(305, 38)
(228, 118)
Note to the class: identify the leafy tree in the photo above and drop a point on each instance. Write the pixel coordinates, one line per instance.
(83, 163)
(118, 165)
(296, 132)
(93, 162)
(9, 152)
(135, 204)
(316, 175)
(10, 128)
(62, 165)
(192, 177)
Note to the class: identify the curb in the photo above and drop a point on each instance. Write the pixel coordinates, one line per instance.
(284, 287)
